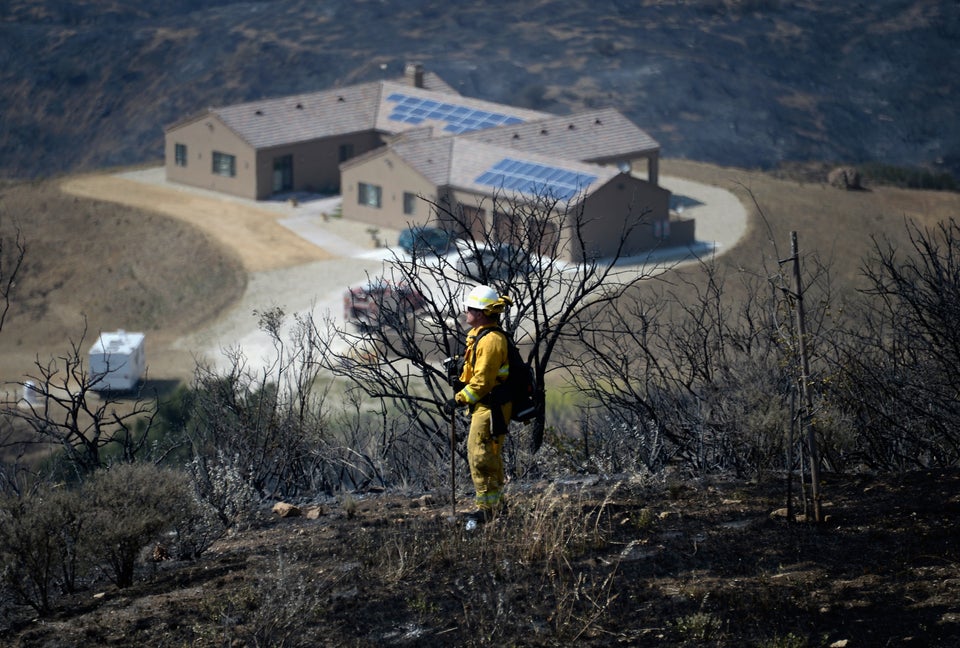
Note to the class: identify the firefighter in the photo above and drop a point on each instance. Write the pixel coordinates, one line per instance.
(485, 366)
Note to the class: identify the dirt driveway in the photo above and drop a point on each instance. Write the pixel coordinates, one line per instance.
(252, 231)
(298, 259)
(301, 259)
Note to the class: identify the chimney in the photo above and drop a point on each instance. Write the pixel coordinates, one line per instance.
(414, 74)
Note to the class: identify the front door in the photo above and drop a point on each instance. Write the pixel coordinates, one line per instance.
(283, 173)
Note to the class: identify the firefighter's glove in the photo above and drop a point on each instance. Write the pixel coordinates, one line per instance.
(451, 406)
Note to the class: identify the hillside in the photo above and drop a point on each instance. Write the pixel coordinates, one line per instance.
(588, 562)
(88, 84)
(103, 265)
(598, 560)
(595, 561)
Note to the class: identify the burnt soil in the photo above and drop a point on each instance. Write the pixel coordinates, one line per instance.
(674, 563)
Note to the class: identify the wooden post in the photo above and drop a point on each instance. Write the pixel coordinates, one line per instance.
(804, 382)
(790, 440)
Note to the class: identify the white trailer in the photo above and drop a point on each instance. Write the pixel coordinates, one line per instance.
(117, 361)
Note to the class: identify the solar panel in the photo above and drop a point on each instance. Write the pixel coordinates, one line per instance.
(535, 178)
(414, 110)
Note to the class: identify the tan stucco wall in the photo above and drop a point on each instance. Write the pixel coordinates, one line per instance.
(621, 201)
(316, 164)
(601, 220)
(202, 137)
(394, 176)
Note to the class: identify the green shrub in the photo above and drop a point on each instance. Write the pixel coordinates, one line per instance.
(26, 551)
(221, 489)
(788, 641)
(39, 544)
(132, 505)
(51, 539)
(67, 514)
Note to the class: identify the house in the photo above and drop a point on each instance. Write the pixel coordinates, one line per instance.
(481, 187)
(393, 147)
(296, 143)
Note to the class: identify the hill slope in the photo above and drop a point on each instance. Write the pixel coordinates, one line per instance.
(90, 83)
(590, 562)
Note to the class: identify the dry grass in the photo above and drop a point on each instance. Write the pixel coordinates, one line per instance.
(837, 226)
(249, 231)
(111, 266)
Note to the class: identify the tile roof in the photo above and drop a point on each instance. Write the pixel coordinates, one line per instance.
(431, 157)
(595, 135)
(459, 162)
(367, 106)
(303, 117)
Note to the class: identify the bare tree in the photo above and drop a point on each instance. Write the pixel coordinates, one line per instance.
(700, 371)
(687, 376)
(69, 409)
(12, 252)
(898, 369)
(265, 424)
(64, 405)
(517, 252)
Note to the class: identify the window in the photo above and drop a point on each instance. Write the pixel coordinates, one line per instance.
(180, 154)
(661, 229)
(346, 152)
(370, 195)
(224, 164)
(409, 203)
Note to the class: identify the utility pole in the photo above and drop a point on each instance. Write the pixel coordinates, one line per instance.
(804, 382)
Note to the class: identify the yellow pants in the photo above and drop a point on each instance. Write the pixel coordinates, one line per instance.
(484, 454)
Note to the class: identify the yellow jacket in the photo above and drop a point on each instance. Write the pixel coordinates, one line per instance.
(484, 367)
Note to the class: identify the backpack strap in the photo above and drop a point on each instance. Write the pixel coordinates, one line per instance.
(476, 340)
(480, 335)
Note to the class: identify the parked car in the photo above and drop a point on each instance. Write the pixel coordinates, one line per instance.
(372, 304)
(483, 262)
(422, 240)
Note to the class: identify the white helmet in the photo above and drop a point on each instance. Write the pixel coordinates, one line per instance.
(481, 298)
